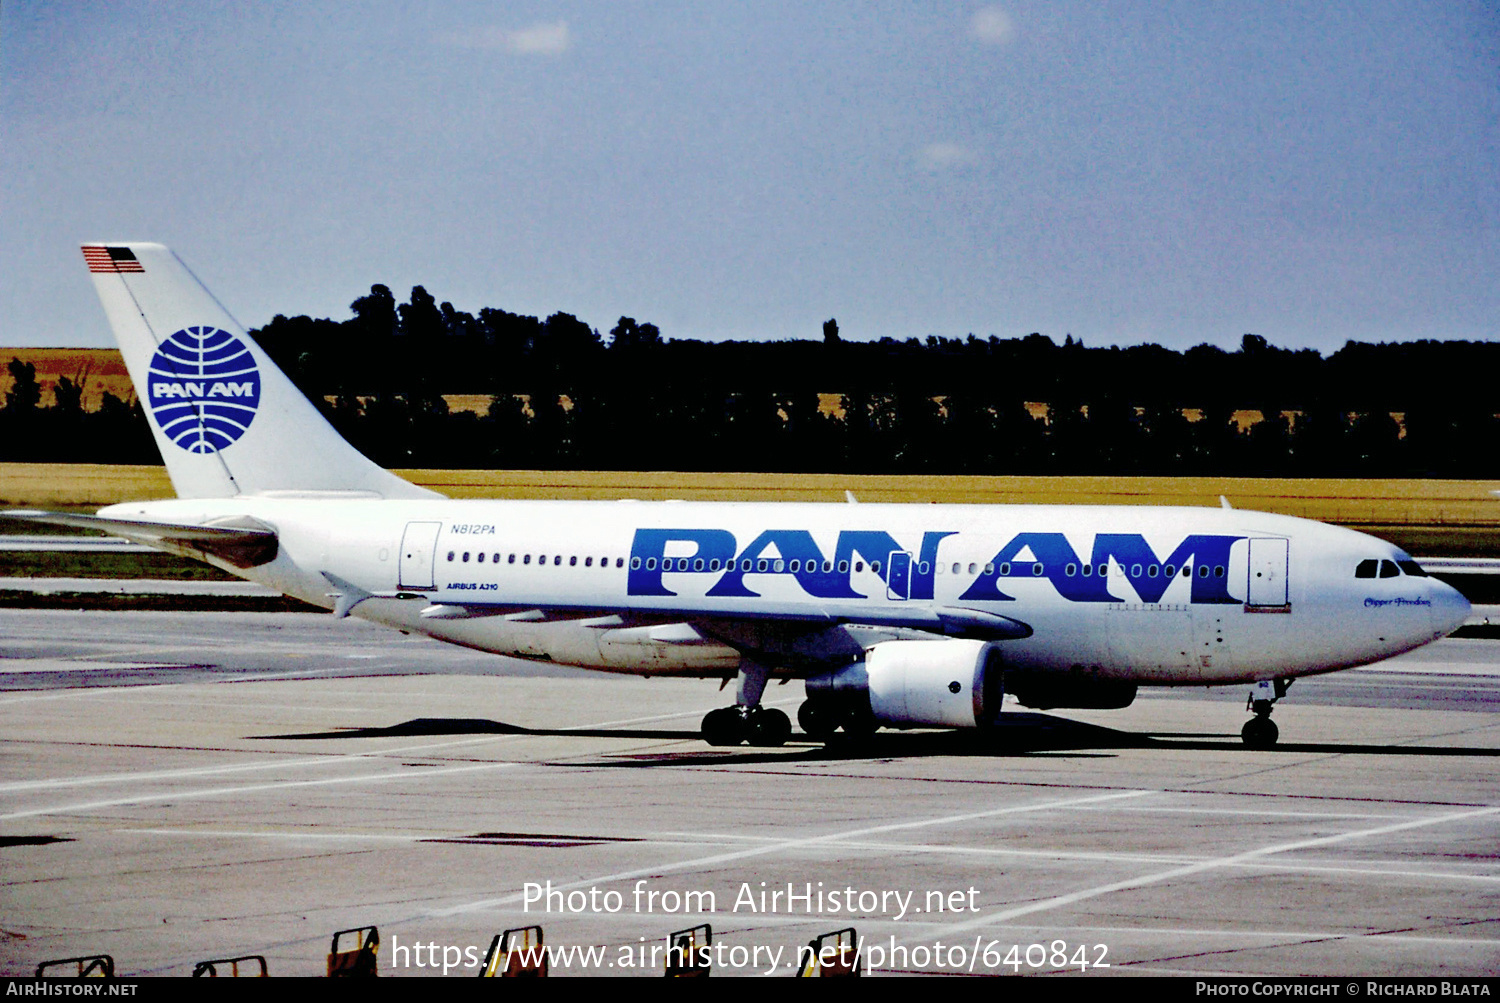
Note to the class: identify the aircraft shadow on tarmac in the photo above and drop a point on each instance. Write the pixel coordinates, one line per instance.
(1020, 734)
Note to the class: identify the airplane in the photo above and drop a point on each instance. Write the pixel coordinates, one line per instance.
(904, 616)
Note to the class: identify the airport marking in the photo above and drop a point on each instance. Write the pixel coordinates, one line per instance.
(252, 789)
(1232, 860)
(781, 845)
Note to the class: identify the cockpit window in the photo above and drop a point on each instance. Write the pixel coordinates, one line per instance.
(1413, 568)
(1388, 569)
(1366, 569)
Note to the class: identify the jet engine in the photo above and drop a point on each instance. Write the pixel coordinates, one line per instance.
(945, 683)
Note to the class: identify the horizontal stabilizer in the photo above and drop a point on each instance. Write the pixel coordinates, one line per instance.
(245, 544)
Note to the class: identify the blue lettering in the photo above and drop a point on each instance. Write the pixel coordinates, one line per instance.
(1054, 553)
(1137, 560)
(926, 569)
(795, 548)
(648, 561)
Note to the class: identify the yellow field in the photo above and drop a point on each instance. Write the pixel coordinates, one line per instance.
(1345, 501)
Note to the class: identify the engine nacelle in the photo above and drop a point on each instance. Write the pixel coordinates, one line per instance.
(951, 683)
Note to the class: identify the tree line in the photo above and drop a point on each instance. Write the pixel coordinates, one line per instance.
(562, 395)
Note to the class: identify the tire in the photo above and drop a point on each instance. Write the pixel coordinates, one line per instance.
(723, 727)
(769, 728)
(818, 719)
(1260, 733)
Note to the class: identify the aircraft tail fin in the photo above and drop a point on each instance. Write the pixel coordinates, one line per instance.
(226, 420)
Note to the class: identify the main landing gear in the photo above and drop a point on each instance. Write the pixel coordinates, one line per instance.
(1260, 732)
(821, 716)
(760, 726)
(747, 720)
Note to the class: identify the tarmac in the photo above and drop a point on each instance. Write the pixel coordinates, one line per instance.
(178, 787)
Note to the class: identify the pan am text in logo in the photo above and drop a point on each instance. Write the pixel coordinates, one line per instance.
(203, 388)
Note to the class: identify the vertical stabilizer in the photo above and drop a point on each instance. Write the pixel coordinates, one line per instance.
(227, 421)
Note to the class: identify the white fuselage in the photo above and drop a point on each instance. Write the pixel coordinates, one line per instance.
(1157, 596)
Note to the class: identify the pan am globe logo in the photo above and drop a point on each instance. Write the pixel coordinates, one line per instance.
(204, 388)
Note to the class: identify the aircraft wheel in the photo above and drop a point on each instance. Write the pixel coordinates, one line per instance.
(723, 726)
(1260, 733)
(768, 728)
(819, 719)
(860, 724)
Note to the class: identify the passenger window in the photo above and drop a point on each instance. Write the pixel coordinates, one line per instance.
(481, 558)
(1388, 569)
(778, 566)
(859, 565)
(989, 569)
(1088, 570)
(466, 557)
(843, 567)
(1036, 569)
(588, 562)
(971, 568)
(1169, 570)
(1071, 570)
(511, 559)
(650, 564)
(526, 559)
(573, 561)
(1218, 571)
(875, 567)
(698, 564)
(955, 568)
(635, 564)
(619, 562)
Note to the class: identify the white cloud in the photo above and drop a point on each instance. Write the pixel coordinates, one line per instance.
(991, 26)
(546, 39)
(946, 156)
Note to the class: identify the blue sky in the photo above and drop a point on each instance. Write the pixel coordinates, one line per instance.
(1122, 172)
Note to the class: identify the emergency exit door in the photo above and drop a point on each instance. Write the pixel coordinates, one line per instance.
(898, 575)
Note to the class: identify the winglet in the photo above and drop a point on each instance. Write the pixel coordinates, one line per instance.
(849, 497)
(1224, 502)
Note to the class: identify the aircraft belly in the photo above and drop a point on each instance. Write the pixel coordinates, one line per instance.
(1152, 641)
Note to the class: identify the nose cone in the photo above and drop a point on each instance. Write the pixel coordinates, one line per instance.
(1449, 608)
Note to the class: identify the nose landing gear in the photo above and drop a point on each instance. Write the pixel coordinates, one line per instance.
(1260, 732)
